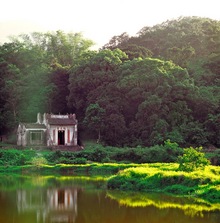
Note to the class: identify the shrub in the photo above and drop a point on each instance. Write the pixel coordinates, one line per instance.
(80, 160)
(15, 157)
(53, 157)
(99, 154)
(116, 182)
(158, 153)
(107, 160)
(38, 161)
(192, 159)
(173, 150)
(63, 160)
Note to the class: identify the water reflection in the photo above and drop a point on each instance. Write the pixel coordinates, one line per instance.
(190, 206)
(52, 205)
(84, 200)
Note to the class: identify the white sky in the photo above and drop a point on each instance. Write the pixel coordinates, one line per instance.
(98, 20)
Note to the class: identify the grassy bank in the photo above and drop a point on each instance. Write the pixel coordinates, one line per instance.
(157, 177)
(162, 177)
(155, 168)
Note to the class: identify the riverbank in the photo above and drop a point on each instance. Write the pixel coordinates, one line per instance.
(160, 177)
(157, 177)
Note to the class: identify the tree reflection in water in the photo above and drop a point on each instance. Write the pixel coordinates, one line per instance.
(83, 199)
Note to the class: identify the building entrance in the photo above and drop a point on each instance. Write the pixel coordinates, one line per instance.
(61, 137)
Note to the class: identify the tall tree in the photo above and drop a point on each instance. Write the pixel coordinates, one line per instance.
(10, 86)
(59, 81)
(98, 71)
(36, 56)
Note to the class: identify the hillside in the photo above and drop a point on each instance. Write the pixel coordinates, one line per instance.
(141, 90)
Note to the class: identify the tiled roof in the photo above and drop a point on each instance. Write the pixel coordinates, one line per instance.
(34, 126)
(60, 121)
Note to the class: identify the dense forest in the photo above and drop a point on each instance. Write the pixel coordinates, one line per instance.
(163, 83)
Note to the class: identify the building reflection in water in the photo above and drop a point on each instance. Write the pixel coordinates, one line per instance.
(52, 205)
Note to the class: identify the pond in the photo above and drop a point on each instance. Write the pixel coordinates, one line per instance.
(84, 199)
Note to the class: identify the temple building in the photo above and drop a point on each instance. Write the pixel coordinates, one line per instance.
(49, 130)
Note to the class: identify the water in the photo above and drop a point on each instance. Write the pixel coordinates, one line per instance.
(77, 199)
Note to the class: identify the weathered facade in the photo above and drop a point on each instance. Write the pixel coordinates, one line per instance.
(49, 130)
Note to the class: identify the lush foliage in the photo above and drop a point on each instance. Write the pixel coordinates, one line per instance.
(164, 177)
(192, 43)
(135, 91)
(14, 157)
(34, 75)
(192, 159)
(157, 177)
(167, 152)
(38, 161)
(98, 153)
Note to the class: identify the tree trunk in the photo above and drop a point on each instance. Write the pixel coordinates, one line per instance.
(99, 137)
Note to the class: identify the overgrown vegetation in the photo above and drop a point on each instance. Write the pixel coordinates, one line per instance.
(168, 152)
(14, 157)
(155, 177)
(133, 169)
(192, 159)
(166, 178)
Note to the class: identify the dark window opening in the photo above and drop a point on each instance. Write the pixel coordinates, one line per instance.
(61, 137)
